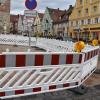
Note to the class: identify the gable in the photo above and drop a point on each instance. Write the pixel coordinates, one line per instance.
(47, 16)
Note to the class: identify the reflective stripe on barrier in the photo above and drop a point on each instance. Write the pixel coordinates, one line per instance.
(91, 54)
(37, 90)
(88, 75)
(20, 60)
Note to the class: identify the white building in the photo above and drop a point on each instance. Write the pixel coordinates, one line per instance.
(55, 22)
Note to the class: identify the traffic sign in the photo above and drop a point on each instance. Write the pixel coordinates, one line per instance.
(30, 4)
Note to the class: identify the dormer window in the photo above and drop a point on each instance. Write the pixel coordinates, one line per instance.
(86, 10)
(95, 8)
(79, 12)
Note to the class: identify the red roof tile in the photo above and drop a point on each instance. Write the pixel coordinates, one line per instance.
(58, 15)
(41, 15)
(14, 18)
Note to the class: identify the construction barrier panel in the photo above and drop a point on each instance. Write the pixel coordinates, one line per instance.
(23, 74)
(38, 59)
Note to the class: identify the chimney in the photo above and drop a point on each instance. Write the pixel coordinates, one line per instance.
(70, 6)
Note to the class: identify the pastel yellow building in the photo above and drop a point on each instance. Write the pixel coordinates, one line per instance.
(38, 24)
(84, 22)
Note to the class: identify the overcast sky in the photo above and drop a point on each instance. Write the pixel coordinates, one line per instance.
(18, 6)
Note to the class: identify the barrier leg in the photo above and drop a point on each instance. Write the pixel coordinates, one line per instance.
(80, 90)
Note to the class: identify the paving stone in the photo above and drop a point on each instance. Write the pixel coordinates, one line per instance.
(48, 95)
(69, 98)
(40, 95)
(98, 97)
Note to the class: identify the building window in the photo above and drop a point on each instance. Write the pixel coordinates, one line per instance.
(71, 23)
(63, 28)
(86, 1)
(76, 23)
(89, 21)
(86, 11)
(81, 1)
(96, 20)
(82, 22)
(79, 12)
(95, 9)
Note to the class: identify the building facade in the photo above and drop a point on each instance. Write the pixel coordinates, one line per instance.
(55, 21)
(60, 25)
(84, 22)
(38, 24)
(47, 23)
(5, 16)
(14, 24)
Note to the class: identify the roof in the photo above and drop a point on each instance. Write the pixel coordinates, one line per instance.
(14, 18)
(58, 15)
(22, 16)
(41, 15)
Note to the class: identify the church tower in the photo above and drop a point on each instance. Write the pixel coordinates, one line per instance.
(5, 16)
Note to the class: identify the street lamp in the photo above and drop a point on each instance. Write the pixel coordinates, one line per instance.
(36, 32)
(29, 34)
(79, 30)
(79, 34)
(15, 32)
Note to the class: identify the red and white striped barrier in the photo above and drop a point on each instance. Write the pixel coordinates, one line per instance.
(91, 54)
(35, 90)
(41, 59)
(26, 81)
(83, 79)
